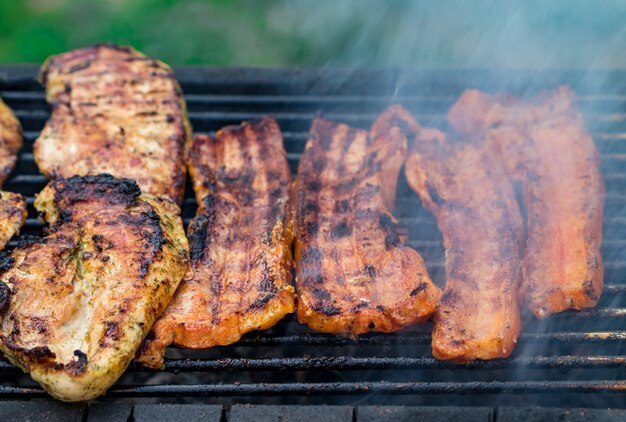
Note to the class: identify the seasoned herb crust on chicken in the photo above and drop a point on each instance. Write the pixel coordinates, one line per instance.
(84, 296)
(240, 240)
(10, 141)
(12, 205)
(114, 111)
(546, 147)
(12, 215)
(468, 191)
(353, 272)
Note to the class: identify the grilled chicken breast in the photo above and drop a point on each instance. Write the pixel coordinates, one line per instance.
(10, 141)
(12, 216)
(12, 205)
(474, 203)
(114, 111)
(240, 239)
(83, 297)
(546, 147)
(353, 272)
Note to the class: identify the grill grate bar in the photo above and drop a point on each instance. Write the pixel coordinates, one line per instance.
(335, 363)
(344, 362)
(308, 389)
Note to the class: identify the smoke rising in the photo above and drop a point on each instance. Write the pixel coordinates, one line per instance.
(458, 34)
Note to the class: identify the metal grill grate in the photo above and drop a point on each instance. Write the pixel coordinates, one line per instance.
(556, 359)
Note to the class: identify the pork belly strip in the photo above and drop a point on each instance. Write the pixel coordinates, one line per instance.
(240, 240)
(547, 148)
(114, 111)
(353, 272)
(83, 297)
(475, 207)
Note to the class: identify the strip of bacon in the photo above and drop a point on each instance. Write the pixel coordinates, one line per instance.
(353, 272)
(476, 210)
(547, 148)
(240, 243)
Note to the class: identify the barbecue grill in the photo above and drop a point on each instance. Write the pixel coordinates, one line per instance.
(571, 359)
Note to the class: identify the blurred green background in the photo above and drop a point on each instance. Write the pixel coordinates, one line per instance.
(401, 33)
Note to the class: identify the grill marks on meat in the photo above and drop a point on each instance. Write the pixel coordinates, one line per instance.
(114, 111)
(474, 204)
(546, 147)
(240, 240)
(84, 296)
(12, 215)
(10, 141)
(12, 205)
(353, 273)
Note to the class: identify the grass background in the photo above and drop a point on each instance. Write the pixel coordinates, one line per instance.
(393, 33)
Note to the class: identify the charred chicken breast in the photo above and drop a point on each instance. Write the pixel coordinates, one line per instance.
(240, 240)
(353, 272)
(84, 296)
(10, 141)
(546, 147)
(12, 215)
(114, 111)
(12, 205)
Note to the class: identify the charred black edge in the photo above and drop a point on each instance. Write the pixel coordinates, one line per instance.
(103, 187)
(77, 366)
(198, 232)
(5, 297)
(419, 288)
(262, 301)
(40, 353)
(154, 237)
(6, 262)
(26, 240)
(326, 309)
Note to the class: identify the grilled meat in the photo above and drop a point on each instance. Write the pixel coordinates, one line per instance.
(475, 207)
(547, 148)
(114, 111)
(240, 239)
(83, 297)
(353, 272)
(10, 141)
(12, 215)
(12, 205)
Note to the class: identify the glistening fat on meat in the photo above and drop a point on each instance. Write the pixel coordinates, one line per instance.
(546, 147)
(353, 272)
(474, 204)
(240, 240)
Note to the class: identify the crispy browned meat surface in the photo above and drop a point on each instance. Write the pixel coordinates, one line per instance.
(114, 111)
(547, 148)
(12, 215)
(475, 207)
(10, 141)
(353, 272)
(12, 205)
(240, 241)
(83, 297)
